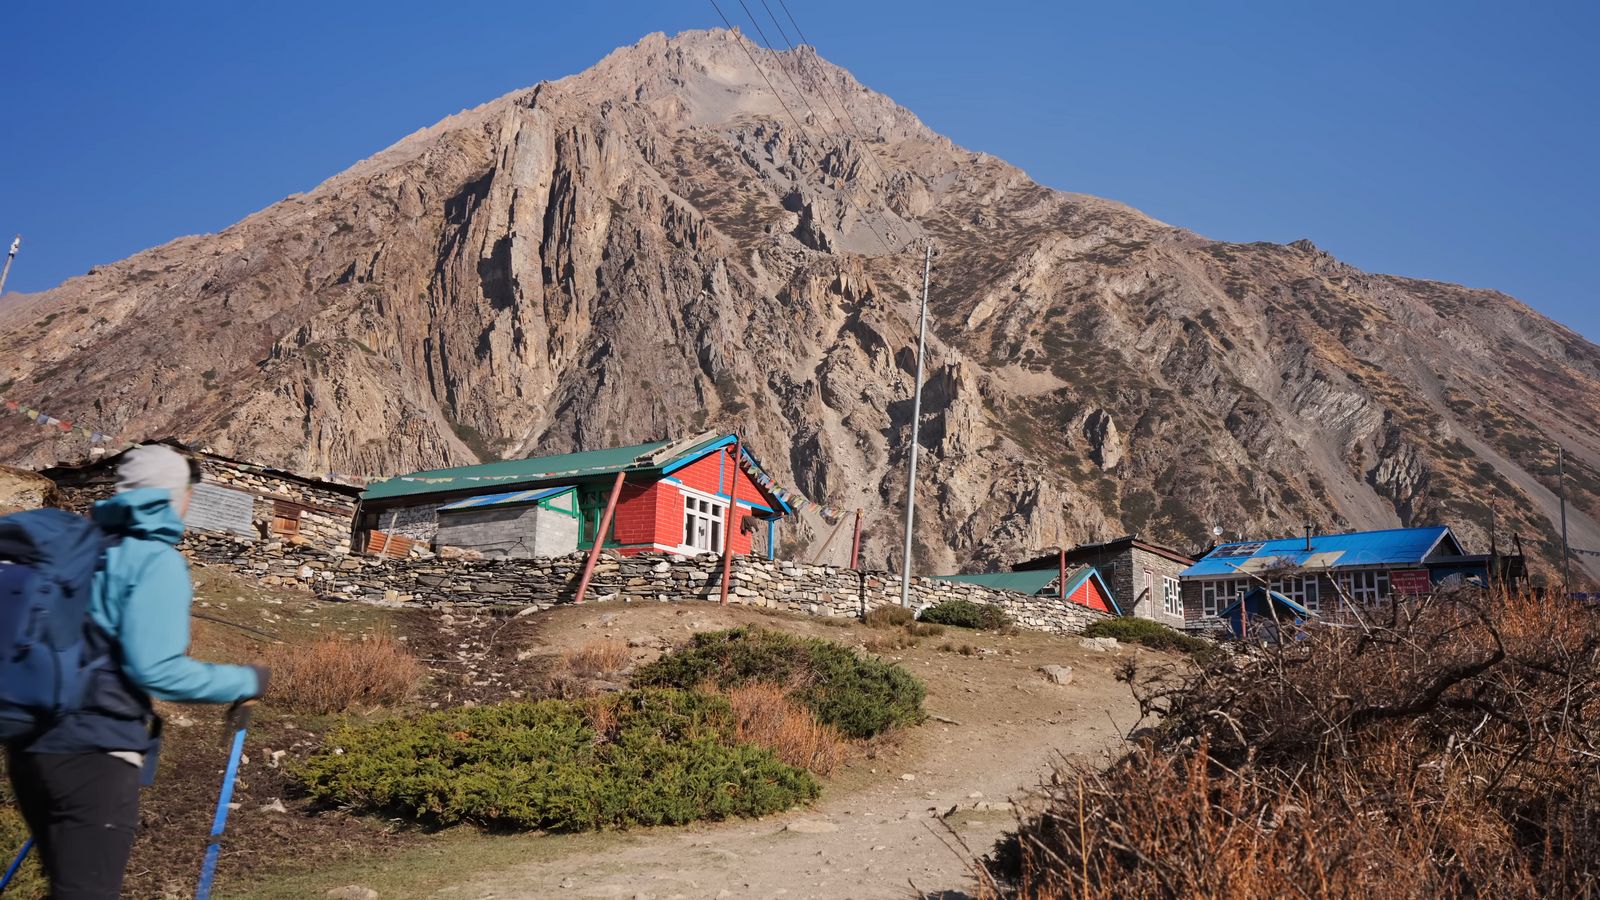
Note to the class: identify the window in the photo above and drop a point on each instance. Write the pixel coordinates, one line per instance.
(702, 524)
(1366, 587)
(1215, 596)
(1302, 589)
(1171, 597)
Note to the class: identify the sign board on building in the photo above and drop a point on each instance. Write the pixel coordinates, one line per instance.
(216, 508)
(1409, 582)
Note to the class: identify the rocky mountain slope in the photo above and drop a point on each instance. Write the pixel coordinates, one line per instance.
(652, 246)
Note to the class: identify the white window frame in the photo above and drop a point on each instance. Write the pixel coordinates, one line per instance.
(704, 521)
(1217, 594)
(1302, 589)
(1171, 596)
(1366, 586)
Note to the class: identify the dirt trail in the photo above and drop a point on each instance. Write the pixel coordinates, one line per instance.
(875, 832)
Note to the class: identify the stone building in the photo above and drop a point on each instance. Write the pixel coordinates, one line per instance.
(1143, 576)
(1320, 572)
(679, 496)
(513, 525)
(237, 497)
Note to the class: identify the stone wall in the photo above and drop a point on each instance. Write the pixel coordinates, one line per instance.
(546, 582)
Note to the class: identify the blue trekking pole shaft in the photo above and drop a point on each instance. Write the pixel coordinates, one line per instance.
(208, 869)
(11, 871)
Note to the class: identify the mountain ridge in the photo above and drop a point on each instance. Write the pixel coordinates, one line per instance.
(648, 247)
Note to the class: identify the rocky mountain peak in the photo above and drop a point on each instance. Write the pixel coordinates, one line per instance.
(652, 247)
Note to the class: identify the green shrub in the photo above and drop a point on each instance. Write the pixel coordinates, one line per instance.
(966, 614)
(656, 757)
(859, 695)
(1149, 633)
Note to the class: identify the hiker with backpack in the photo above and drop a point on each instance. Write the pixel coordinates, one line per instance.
(96, 615)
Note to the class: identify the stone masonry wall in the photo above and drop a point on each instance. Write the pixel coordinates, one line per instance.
(546, 582)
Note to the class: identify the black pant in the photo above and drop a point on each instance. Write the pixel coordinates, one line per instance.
(82, 809)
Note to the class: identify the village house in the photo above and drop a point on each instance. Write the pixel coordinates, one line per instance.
(670, 496)
(1314, 571)
(236, 497)
(1142, 575)
(1082, 585)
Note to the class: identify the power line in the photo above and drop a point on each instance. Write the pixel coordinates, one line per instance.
(792, 117)
(827, 101)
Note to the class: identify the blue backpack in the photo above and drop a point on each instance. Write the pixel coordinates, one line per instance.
(48, 558)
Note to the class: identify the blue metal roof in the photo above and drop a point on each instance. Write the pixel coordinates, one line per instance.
(1396, 546)
(509, 497)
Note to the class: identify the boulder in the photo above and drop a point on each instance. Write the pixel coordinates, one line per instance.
(21, 489)
(1057, 674)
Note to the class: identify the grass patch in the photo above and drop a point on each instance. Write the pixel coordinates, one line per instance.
(859, 695)
(1148, 633)
(888, 617)
(966, 614)
(651, 757)
(335, 675)
(29, 881)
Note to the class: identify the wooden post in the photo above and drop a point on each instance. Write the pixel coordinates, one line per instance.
(728, 520)
(599, 538)
(817, 557)
(855, 545)
(1061, 586)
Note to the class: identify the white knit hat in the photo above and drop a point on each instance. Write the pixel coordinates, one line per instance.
(153, 466)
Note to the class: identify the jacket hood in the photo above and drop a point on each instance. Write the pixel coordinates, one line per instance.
(145, 513)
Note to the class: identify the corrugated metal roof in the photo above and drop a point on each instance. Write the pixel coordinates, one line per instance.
(567, 467)
(1395, 546)
(507, 498)
(1031, 582)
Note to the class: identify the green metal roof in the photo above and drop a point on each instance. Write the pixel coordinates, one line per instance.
(1031, 582)
(567, 466)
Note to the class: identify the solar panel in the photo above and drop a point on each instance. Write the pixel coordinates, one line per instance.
(1238, 549)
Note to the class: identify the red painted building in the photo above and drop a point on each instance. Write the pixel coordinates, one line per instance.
(674, 497)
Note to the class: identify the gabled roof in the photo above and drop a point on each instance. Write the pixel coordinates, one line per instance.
(1395, 546)
(654, 458)
(1117, 544)
(1022, 582)
(1034, 581)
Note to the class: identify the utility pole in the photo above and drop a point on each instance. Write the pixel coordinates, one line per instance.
(1566, 548)
(15, 243)
(916, 420)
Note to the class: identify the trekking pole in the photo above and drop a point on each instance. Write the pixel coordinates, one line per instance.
(16, 864)
(208, 869)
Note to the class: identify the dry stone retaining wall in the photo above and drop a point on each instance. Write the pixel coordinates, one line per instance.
(546, 582)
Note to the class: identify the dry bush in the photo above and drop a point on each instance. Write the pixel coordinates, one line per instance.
(889, 643)
(1445, 747)
(923, 629)
(888, 617)
(765, 715)
(599, 659)
(333, 674)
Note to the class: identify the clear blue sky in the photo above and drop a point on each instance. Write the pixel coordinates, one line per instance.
(1456, 141)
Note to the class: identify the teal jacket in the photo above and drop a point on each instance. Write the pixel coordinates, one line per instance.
(141, 599)
(141, 604)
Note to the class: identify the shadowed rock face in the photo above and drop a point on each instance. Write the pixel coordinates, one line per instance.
(650, 247)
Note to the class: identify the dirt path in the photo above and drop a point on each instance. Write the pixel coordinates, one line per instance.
(876, 831)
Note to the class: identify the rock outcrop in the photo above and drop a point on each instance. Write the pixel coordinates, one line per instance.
(652, 247)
